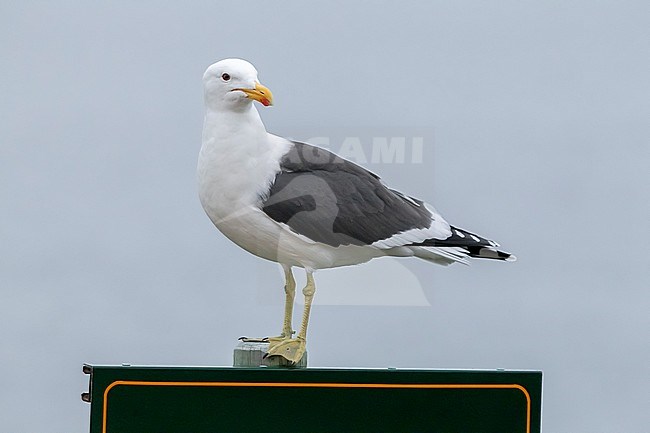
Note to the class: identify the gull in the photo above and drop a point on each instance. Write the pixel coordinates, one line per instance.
(303, 206)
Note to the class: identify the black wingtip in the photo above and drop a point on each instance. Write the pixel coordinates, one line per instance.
(474, 245)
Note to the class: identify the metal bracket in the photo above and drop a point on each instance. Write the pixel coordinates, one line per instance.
(86, 396)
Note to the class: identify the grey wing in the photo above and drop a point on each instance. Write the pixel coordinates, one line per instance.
(336, 202)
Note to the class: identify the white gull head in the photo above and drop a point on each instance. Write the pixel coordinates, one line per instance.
(232, 85)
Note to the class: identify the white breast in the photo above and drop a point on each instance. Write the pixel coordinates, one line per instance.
(237, 164)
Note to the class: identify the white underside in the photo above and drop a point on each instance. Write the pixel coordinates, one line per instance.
(254, 231)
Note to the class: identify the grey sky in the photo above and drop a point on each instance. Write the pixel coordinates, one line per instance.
(536, 134)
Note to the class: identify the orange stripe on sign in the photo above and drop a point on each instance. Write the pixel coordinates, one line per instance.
(317, 385)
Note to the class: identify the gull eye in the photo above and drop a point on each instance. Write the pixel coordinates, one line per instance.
(225, 76)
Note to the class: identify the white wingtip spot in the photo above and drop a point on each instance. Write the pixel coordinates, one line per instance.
(512, 258)
(475, 238)
(459, 234)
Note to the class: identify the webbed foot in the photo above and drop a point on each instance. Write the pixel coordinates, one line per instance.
(291, 349)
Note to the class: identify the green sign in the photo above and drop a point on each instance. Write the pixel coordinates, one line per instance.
(264, 400)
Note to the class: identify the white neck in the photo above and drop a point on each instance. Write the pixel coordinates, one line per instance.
(221, 124)
(238, 160)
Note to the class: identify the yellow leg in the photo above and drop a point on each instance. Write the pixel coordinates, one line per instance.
(290, 294)
(308, 291)
(294, 349)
